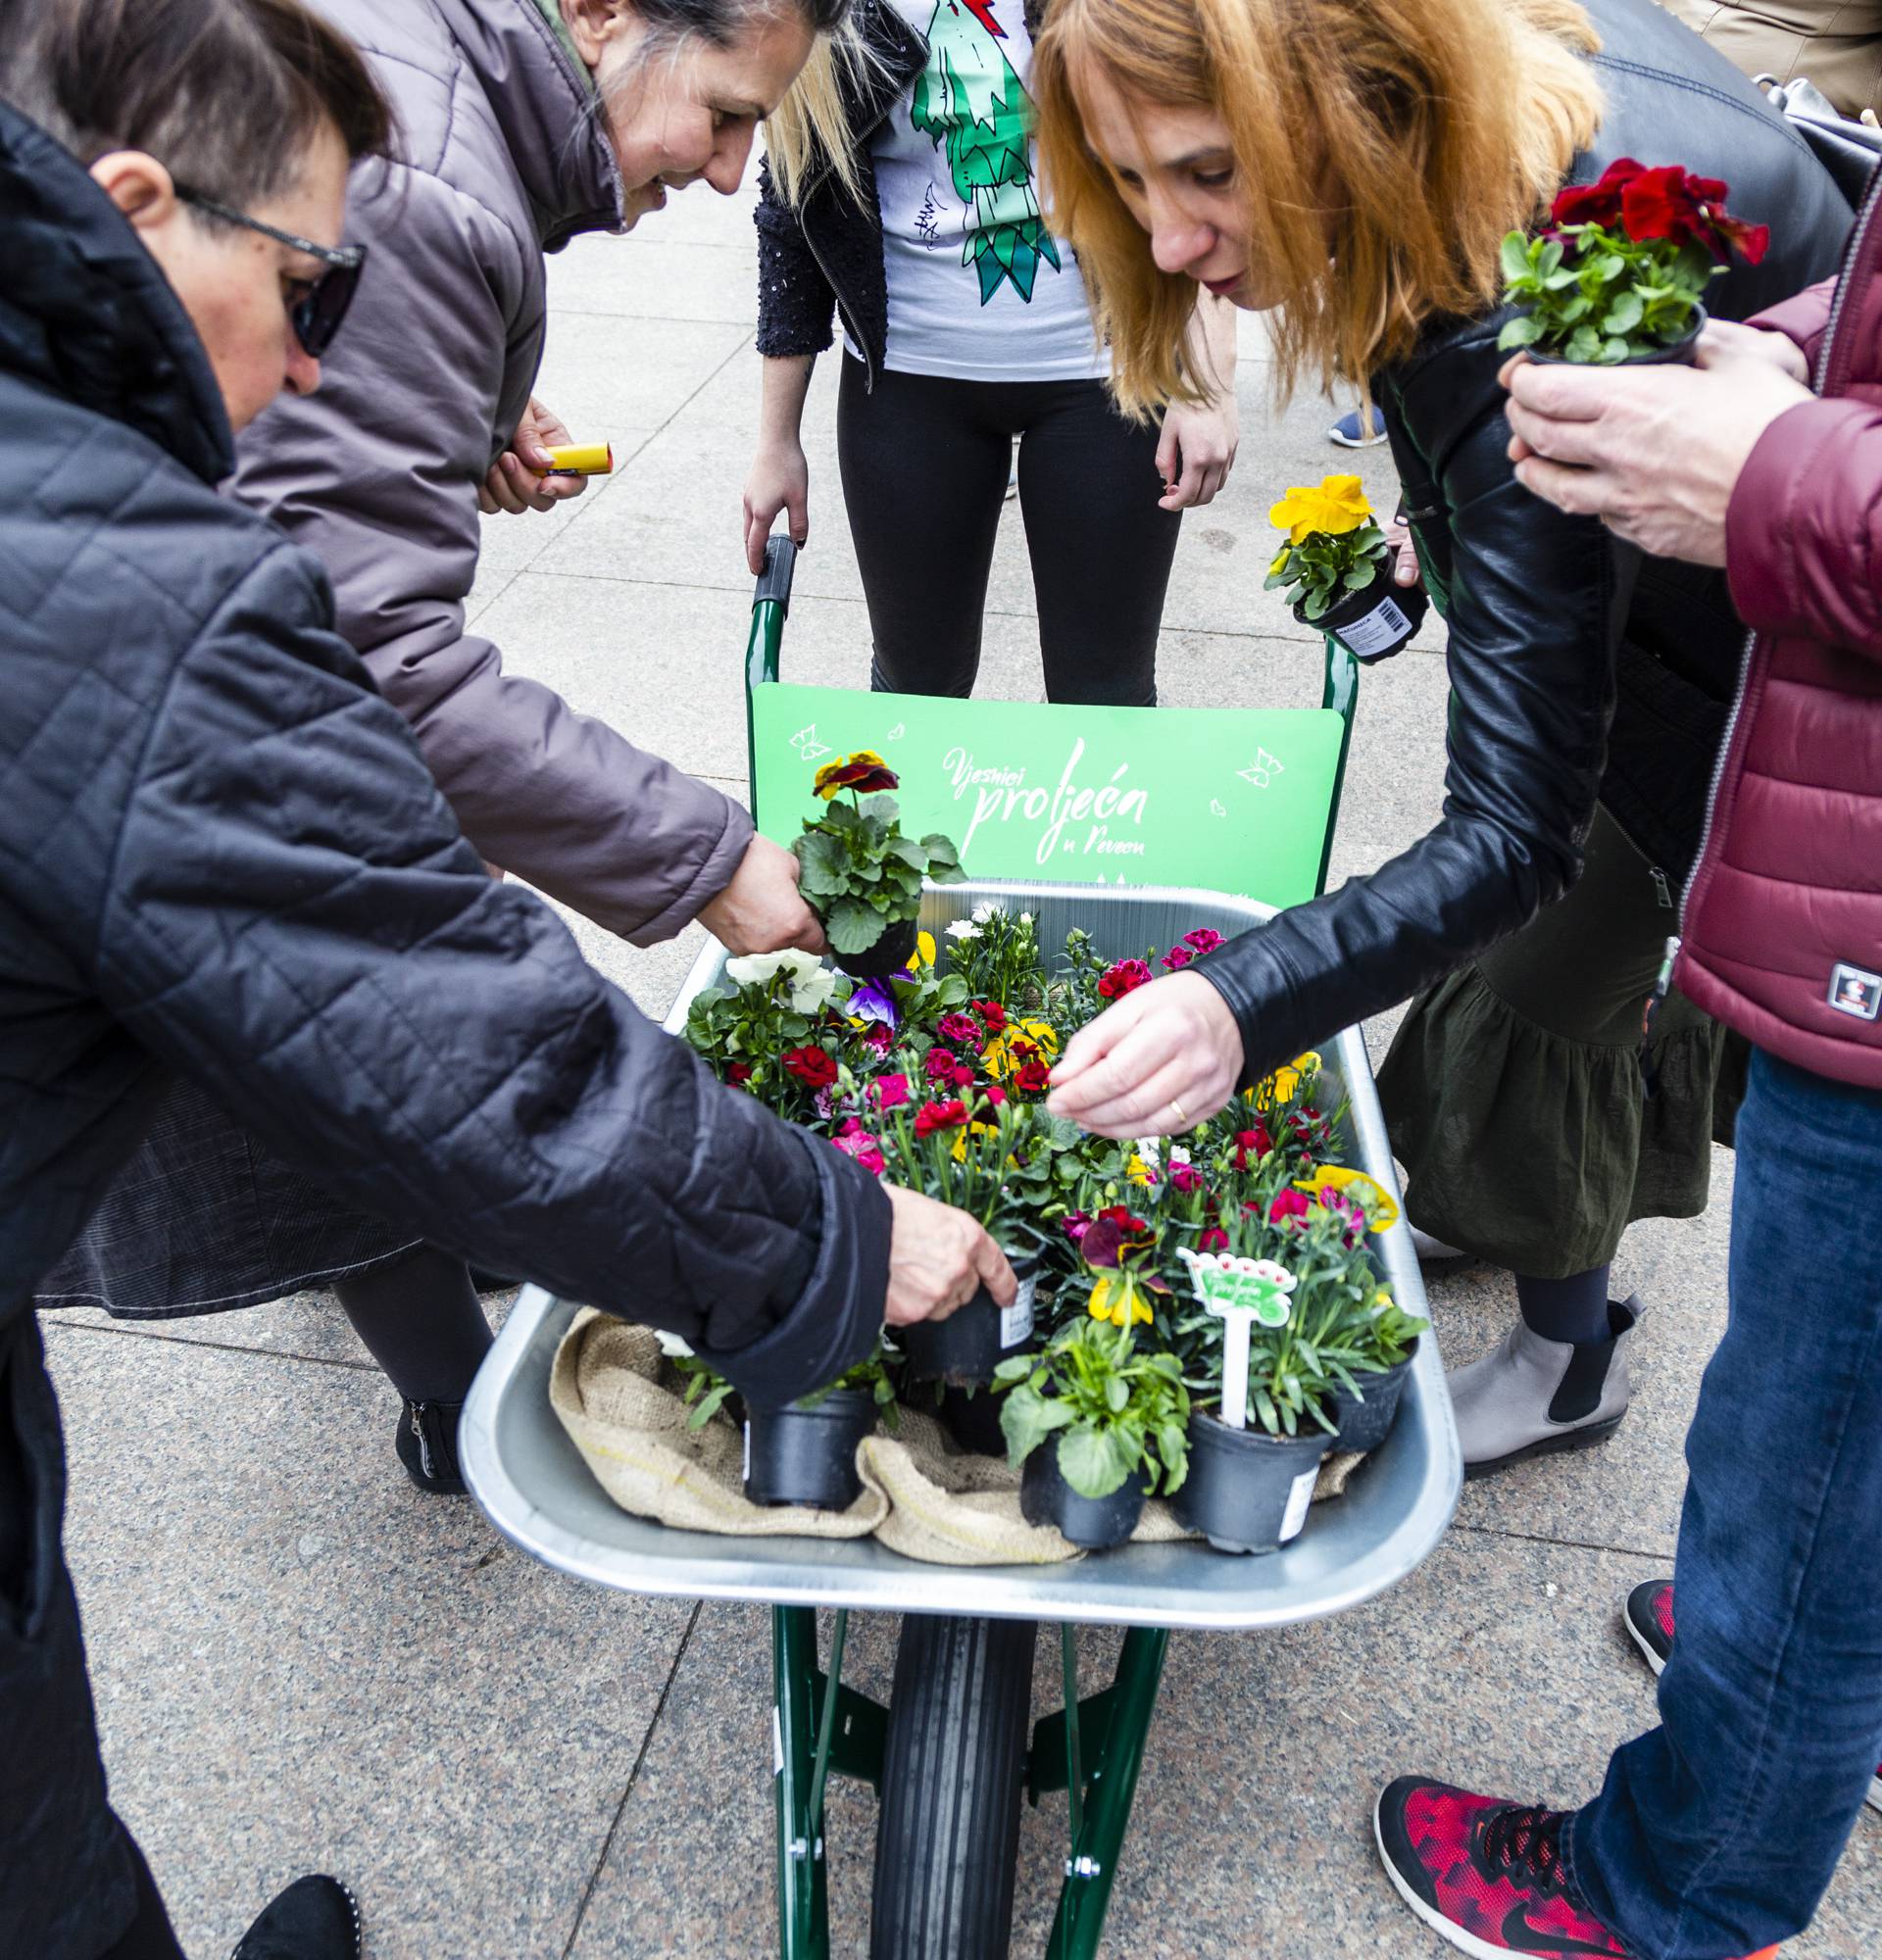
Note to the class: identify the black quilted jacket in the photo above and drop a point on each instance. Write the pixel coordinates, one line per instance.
(221, 855)
(1577, 669)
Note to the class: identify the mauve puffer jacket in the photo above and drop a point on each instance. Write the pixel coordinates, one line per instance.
(501, 158)
(221, 855)
(1783, 918)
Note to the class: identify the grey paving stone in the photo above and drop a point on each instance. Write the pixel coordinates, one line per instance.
(302, 1664)
(647, 275)
(1497, 1665)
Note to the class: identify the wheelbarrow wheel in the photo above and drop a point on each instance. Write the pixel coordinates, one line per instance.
(953, 1771)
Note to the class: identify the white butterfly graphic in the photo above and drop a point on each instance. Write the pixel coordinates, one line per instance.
(1262, 769)
(1215, 808)
(807, 745)
(896, 733)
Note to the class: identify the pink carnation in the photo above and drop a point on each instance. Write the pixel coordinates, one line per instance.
(1205, 939)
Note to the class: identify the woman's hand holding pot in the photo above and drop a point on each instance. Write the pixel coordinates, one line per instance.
(1163, 1060)
(761, 910)
(939, 1258)
(517, 480)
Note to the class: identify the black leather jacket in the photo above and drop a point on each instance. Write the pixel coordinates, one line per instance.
(1579, 668)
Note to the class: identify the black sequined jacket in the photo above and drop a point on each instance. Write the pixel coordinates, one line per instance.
(824, 252)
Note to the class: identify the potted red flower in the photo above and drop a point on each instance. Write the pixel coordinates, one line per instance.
(1618, 273)
(958, 1149)
(859, 874)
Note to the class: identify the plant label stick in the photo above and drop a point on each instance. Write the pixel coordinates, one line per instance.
(1238, 1330)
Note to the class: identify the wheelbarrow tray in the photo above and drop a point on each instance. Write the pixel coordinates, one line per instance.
(532, 1480)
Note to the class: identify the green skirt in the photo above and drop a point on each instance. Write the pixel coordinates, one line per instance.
(1513, 1091)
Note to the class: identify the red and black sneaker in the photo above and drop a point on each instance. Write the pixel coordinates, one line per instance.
(1648, 1617)
(1486, 1873)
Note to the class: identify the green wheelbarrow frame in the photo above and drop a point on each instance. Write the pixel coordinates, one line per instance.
(1093, 1748)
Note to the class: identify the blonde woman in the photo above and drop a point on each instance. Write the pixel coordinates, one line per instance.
(1350, 166)
(1589, 688)
(900, 192)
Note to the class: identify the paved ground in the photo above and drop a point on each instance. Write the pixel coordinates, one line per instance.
(300, 1662)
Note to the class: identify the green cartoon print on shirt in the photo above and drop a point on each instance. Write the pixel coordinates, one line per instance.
(970, 100)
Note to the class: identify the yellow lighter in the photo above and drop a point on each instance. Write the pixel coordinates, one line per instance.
(582, 459)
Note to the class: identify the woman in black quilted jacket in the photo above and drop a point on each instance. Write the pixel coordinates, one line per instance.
(221, 858)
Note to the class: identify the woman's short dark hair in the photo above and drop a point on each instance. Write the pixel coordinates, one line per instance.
(226, 94)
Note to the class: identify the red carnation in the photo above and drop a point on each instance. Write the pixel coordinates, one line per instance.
(877, 1035)
(957, 1030)
(1215, 1239)
(738, 1073)
(939, 1066)
(1177, 957)
(814, 1067)
(933, 1116)
(1251, 1142)
(1185, 1177)
(992, 1013)
(1033, 1078)
(1290, 1203)
(1123, 979)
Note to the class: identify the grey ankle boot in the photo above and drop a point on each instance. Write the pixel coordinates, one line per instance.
(1531, 1396)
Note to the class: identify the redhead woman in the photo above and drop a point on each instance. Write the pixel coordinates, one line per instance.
(1352, 164)
(1589, 686)
(523, 124)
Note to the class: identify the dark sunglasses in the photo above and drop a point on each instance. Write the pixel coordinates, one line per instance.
(317, 315)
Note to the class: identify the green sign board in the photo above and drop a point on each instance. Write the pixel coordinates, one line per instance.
(1232, 800)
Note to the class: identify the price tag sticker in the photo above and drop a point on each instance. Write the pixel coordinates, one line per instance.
(1015, 1321)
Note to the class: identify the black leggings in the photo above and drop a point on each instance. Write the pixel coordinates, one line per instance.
(924, 464)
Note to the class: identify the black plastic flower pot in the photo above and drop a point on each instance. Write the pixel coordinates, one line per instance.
(1683, 353)
(1247, 1491)
(971, 1416)
(1093, 1524)
(801, 1455)
(889, 954)
(964, 1349)
(1364, 1425)
(1374, 622)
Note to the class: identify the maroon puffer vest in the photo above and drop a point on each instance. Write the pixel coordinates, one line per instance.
(1783, 916)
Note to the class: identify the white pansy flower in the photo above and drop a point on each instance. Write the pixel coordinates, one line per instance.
(1177, 1155)
(962, 929)
(671, 1345)
(753, 969)
(812, 988)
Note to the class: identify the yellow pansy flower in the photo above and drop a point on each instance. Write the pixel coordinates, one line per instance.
(1329, 510)
(997, 1059)
(1381, 1207)
(961, 1140)
(1288, 1078)
(1117, 1298)
(924, 948)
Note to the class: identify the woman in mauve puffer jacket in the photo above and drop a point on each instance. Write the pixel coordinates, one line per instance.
(523, 124)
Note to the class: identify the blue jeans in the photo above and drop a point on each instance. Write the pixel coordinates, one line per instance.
(1715, 1834)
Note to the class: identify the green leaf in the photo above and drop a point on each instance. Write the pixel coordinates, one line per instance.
(1514, 256)
(909, 853)
(824, 865)
(1522, 331)
(941, 852)
(1624, 314)
(1096, 1462)
(853, 927)
(1584, 345)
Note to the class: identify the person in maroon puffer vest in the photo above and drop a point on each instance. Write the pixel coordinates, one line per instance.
(1717, 1833)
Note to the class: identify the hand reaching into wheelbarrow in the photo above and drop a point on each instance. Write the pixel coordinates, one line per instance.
(938, 1259)
(1163, 1060)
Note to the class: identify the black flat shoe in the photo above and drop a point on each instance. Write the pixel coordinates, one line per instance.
(316, 1919)
(427, 1446)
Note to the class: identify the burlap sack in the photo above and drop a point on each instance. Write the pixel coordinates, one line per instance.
(921, 1495)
